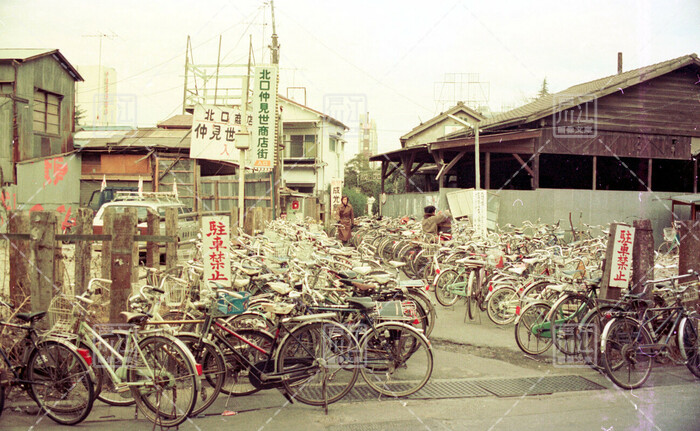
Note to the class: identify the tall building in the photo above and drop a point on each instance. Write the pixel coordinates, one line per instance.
(97, 96)
(368, 135)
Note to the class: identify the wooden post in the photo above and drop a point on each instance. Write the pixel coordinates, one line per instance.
(689, 250)
(171, 223)
(234, 221)
(595, 172)
(643, 255)
(215, 184)
(20, 268)
(124, 229)
(83, 250)
(249, 222)
(487, 171)
(42, 254)
(152, 248)
(107, 229)
(58, 264)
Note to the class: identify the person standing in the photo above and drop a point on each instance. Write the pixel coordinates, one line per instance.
(346, 218)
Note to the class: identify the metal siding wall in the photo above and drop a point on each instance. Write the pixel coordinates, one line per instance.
(595, 207)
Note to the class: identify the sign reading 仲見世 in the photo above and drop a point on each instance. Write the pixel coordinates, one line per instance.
(214, 130)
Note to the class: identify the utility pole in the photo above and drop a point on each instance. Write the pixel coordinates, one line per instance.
(243, 144)
(277, 169)
(187, 66)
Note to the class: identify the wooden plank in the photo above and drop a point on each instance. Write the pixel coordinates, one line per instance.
(20, 281)
(83, 250)
(451, 164)
(524, 165)
(152, 247)
(595, 173)
(107, 229)
(124, 229)
(171, 223)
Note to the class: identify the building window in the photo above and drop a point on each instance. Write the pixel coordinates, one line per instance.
(332, 144)
(46, 112)
(6, 87)
(302, 147)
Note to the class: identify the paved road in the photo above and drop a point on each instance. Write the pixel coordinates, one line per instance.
(468, 358)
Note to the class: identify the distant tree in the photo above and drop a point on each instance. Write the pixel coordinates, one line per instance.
(544, 90)
(78, 116)
(357, 200)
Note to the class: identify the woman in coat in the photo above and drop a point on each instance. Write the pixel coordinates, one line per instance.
(346, 219)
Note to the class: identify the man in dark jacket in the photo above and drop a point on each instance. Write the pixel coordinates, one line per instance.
(435, 223)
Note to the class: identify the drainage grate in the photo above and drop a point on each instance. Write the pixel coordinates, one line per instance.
(427, 424)
(537, 385)
(484, 388)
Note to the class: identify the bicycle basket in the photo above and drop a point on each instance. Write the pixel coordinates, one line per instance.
(669, 234)
(60, 314)
(176, 289)
(228, 305)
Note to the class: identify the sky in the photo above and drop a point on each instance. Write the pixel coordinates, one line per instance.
(389, 58)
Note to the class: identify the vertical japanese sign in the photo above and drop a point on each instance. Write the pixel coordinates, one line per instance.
(214, 130)
(262, 150)
(336, 193)
(479, 213)
(621, 269)
(216, 239)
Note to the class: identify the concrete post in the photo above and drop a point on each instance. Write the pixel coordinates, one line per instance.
(643, 255)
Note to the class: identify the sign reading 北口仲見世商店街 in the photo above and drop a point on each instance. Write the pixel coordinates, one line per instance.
(264, 129)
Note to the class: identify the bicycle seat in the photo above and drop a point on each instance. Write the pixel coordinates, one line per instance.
(362, 270)
(280, 287)
(347, 274)
(240, 283)
(135, 318)
(361, 302)
(250, 271)
(30, 317)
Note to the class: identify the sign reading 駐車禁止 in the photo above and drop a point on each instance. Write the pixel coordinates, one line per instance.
(262, 148)
(621, 265)
(214, 130)
(216, 235)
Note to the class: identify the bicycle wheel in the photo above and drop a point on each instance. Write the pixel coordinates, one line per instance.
(625, 353)
(237, 382)
(668, 248)
(565, 320)
(60, 382)
(321, 359)
(501, 305)
(397, 360)
(250, 320)
(213, 370)
(168, 377)
(442, 291)
(532, 333)
(689, 343)
(426, 309)
(471, 302)
(109, 393)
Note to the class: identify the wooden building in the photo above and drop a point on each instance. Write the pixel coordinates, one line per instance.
(635, 131)
(37, 103)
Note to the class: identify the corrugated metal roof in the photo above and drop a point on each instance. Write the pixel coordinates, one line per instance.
(28, 54)
(587, 91)
(180, 121)
(140, 138)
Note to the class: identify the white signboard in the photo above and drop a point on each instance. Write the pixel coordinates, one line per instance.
(336, 193)
(621, 269)
(480, 213)
(262, 149)
(214, 130)
(216, 234)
